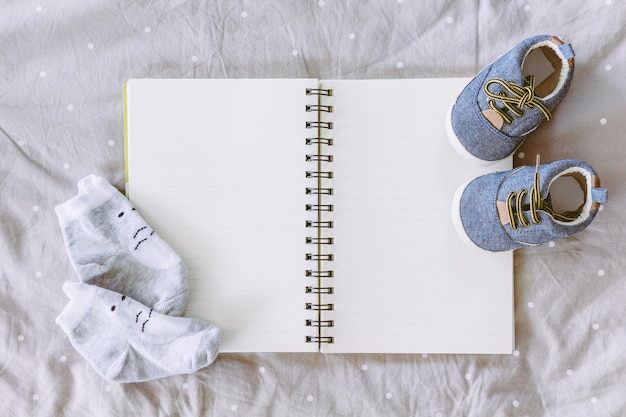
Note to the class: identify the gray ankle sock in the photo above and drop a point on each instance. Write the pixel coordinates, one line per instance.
(111, 246)
(125, 341)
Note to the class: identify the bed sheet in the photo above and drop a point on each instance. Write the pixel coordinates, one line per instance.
(62, 66)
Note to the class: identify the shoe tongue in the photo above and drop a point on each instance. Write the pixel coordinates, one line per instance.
(565, 216)
(547, 202)
(546, 205)
(518, 78)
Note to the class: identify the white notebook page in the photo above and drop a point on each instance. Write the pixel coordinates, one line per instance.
(403, 280)
(217, 168)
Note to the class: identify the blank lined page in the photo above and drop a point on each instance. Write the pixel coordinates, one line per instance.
(403, 280)
(217, 168)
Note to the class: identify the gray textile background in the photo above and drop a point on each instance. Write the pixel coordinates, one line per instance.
(62, 66)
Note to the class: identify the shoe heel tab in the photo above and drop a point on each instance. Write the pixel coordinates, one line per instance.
(565, 49)
(599, 195)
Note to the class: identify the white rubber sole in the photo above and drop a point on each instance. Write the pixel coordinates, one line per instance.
(456, 217)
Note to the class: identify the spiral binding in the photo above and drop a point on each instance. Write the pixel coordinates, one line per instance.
(325, 225)
(320, 307)
(319, 240)
(328, 257)
(318, 140)
(319, 157)
(321, 125)
(319, 92)
(319, 274)
(318, 290)
(319, 340)
(319, 207)
(318, 107)
(319, 174)
(323, 323)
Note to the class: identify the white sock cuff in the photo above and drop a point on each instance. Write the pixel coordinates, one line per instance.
(81, 299)
(93, 191)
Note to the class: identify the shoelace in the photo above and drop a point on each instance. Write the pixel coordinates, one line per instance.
(514, 203)
(519, 98)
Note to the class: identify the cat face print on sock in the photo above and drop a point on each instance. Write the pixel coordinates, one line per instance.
(126, 341)
(110, 245)
(141, 318)
(120, 220)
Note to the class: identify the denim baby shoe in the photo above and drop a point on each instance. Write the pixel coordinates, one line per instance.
(509, 98)
(527, 206)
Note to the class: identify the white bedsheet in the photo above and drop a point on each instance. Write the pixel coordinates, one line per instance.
(62, 66)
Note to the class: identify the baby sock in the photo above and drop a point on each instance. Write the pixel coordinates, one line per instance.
(125, 341)
(111, 246)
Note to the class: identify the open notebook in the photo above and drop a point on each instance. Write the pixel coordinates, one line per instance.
(315, 215)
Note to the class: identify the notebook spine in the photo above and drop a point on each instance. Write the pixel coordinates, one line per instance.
(319, 224)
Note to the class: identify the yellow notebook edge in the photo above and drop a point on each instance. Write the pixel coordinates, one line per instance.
(125, 111)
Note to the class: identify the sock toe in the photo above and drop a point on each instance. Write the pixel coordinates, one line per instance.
(207, 348)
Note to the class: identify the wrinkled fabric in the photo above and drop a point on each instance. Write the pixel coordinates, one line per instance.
(62, 66)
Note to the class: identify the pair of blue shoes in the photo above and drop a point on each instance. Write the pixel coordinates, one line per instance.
(490, 119)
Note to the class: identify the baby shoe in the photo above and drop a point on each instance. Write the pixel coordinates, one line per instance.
(527, 206)
(509, 98)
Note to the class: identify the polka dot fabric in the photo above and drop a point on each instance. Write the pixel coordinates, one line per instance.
(62, 67)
